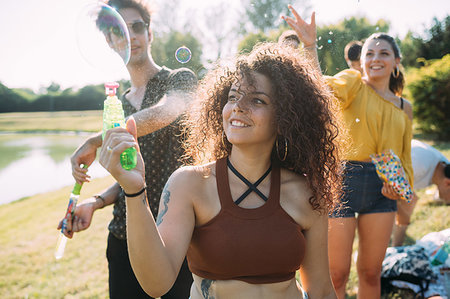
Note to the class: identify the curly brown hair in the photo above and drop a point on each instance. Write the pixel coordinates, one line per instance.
(304, 112)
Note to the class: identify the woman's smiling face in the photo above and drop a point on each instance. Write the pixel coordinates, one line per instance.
(249, 114)
(378, 59)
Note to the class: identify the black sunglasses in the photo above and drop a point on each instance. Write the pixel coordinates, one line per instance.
(138, 27)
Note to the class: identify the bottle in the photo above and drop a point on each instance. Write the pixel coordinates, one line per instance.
(113, 116)
(441, 255)
(62, 239)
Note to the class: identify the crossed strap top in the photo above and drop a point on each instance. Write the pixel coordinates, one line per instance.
(260, 245)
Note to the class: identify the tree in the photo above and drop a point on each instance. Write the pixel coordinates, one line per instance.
(430, 88)
(438, 44)
(331, 40)
(10, 101)
(416, 49)
(165, 46)
(215, 30)
(265, 14)
(410, 48)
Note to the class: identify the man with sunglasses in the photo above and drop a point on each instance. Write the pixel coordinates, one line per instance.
(157, 98)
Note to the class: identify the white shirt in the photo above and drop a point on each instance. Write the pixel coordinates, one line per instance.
(424, 160)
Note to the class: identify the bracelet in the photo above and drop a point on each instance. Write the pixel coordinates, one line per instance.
(134, 194)
(102, 199)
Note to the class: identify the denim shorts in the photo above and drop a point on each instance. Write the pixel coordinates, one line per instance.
(362, 192)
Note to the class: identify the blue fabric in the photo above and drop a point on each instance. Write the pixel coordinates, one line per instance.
(362, 192)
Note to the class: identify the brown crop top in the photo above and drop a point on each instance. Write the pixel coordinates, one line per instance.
(261, 245)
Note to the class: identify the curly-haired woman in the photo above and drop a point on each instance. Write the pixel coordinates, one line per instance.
(376, 118)
(252, 208)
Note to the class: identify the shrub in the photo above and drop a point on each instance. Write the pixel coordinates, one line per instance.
(430, 90)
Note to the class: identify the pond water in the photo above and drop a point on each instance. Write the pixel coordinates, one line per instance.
(37, 163)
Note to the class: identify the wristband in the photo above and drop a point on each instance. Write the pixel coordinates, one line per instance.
(134, 194)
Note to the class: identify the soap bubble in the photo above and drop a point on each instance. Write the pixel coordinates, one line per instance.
(330, 41)
(183, 54)
(103, 38)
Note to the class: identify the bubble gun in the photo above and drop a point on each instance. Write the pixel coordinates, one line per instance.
(62, 240)
(113, 116)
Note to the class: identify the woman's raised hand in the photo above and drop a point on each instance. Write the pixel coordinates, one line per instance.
(306, 32)
(116, 141)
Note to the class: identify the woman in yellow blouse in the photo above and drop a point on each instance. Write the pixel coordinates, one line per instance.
(377, 119)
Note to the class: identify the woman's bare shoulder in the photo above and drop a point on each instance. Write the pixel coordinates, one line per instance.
(192, 177)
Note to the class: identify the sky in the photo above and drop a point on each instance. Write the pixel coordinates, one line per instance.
(39, 46)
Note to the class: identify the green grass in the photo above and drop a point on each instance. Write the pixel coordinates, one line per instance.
(28, 237)
(79, 121)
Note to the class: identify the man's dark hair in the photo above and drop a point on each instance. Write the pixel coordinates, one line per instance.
(141, 6)
(288, 36)
(447, 170)
(353, 50)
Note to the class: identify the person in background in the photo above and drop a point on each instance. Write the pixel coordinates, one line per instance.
(430, 167)
(377, 118)
(352, 54)
(289, 38)
(252, 208)
(157, 98)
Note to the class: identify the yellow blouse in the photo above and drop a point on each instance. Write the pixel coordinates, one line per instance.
(373, 123)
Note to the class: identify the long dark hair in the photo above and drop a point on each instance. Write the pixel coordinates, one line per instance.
(304, 115)
(395, 84)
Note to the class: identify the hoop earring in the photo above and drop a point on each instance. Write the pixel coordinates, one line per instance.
(223, 140)
(396, 72)
(285, 149)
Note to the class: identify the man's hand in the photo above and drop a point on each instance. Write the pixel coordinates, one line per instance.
(82, 217)
(84, 155)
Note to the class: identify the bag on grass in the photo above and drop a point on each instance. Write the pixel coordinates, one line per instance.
(407, 263)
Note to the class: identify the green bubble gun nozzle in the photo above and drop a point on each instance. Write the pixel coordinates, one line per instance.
(113, 116)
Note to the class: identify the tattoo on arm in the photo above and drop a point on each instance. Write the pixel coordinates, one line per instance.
(165, 197)
(206, 288)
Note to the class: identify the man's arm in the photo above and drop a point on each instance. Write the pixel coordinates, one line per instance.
(182, 84)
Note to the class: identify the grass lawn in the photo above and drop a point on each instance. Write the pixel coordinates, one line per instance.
(88, 121)
(28, 237)
(28, 232)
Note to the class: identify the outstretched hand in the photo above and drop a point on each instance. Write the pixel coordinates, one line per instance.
(306, 32)
(116, 141)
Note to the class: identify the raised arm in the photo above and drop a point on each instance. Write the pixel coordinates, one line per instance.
(307, 34)
(156, 253)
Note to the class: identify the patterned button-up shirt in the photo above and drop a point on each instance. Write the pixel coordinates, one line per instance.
(161, 150)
